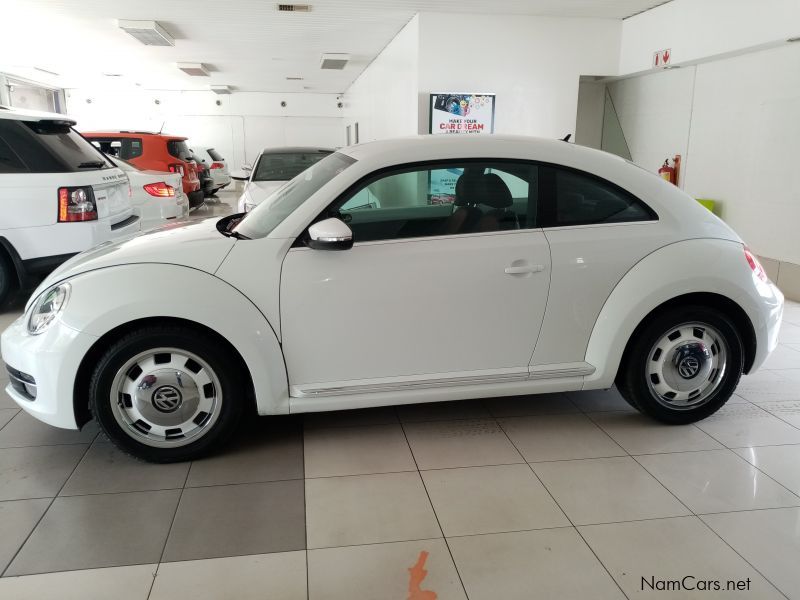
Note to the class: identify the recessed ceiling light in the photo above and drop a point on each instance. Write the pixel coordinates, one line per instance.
(150, 33)
(221, 89)
(193, 69)
(335, 60)
(294, 7)
(112, 74)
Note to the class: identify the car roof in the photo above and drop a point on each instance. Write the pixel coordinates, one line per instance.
(19, 114)
(297, 149)
(136, 134)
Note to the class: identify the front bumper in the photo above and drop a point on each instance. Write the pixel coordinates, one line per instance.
(52, 359)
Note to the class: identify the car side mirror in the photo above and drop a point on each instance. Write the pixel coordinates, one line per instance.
(247, 168)
(330, 234)
(240, 176)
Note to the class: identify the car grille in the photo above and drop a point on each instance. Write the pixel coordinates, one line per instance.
(23, 383)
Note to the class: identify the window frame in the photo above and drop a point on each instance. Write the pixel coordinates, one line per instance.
(411, 167)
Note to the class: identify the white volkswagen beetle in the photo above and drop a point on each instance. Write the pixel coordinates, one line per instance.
(394, 272)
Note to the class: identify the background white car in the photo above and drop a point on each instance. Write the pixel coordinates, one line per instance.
(156, 196)
(492, 266)
(217, 166)
(273, 168)
(58, 196)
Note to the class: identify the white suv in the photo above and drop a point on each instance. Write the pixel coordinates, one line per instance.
(58, 196)
(217, 166)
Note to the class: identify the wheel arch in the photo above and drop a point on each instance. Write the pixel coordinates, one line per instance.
(672, 275)
(9, 254)
(80, 402)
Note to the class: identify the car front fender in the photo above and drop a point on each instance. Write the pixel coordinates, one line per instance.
(107, 298)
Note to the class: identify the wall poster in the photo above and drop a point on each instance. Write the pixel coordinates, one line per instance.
(461, 113)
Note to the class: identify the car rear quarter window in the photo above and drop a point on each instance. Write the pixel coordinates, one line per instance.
(123, 147)
(179, 150)
(582, 199)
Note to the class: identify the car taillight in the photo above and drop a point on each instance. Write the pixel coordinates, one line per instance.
(160, 190)
(76, 204)
(176, 168)
(217, 165)
(758, 270)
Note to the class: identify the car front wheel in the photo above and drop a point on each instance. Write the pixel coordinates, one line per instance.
(683, 365)
(166, 394)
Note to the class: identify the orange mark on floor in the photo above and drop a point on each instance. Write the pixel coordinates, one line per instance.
(415, 576)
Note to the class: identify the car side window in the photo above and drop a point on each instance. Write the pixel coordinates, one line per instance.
(442, 199)
(9, 161)
(583, 200)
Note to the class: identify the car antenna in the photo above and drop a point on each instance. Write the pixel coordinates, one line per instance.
(162, 127)
(566, 137)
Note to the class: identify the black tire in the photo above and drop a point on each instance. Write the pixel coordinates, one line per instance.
(227, 370)
(632, 376)
(7, 280)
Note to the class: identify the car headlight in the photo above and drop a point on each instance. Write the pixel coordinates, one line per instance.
(47, 308)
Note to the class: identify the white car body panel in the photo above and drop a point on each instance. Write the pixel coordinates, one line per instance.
(255, 192)
(413, 319)
(155, 211)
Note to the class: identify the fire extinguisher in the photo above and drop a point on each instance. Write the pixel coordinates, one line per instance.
(668, 173)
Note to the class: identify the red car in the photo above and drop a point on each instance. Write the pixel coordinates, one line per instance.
(154, 151)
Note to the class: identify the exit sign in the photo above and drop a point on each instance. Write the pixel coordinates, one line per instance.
(661, 58)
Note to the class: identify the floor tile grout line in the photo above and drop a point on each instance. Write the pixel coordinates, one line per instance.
(566, 516)
(765, 474)
(305, 506)
(752, 566)
(433, 509)
(169, 530)
(47, 510)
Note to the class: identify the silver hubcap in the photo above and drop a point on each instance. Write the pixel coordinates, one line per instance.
(686, 365)
(166, 397)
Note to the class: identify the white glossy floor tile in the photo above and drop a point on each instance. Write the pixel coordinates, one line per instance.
(639, 434)
(466, 443)
(783, 357)
(716, 481)
(644, 555)
(744, 425)
(442, 411)
(550, 564)
(559, 437)
(356, 450)
(604, 490)
(419, 570)
(119, 583)
(476, 500)
(255, 577)
(769, 540)
(534, 404)
(367, 509)
(600, 400)
(782, 463)
(788, 411)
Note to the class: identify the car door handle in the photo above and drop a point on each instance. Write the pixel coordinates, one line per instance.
(524, 269)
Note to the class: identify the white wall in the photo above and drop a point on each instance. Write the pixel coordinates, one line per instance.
(589, 121)
(736, 121)
(533, 64)
(239, 128)
(698, 29)
(383, 100)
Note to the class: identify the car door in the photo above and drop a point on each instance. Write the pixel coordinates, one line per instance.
(422, 297)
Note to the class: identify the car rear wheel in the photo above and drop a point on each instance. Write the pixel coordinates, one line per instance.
(683, 365)
(165, 394)
(6, 279)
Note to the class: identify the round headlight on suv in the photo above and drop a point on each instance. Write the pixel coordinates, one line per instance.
(47, 307)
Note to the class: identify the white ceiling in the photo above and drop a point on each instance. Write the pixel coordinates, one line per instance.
(247, 44)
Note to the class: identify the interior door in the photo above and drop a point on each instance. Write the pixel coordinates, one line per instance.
(436, 307)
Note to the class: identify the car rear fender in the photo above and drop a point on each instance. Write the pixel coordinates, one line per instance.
(709, 266)
(106, 299)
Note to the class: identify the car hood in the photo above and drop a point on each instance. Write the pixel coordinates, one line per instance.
(196, 245)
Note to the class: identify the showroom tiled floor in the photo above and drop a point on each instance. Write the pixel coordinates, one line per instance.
(559, 496)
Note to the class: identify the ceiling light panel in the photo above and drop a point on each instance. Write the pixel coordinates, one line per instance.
(193, 69)
(221, 89)
(336, 61)
(150, 33)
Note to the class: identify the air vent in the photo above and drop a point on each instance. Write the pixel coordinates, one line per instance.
(294, 7)
(334, 61)
(294, 79)
(150, 33)
(193, 69)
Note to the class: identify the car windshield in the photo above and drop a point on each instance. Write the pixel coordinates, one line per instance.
(271, 212)
(283, 166)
